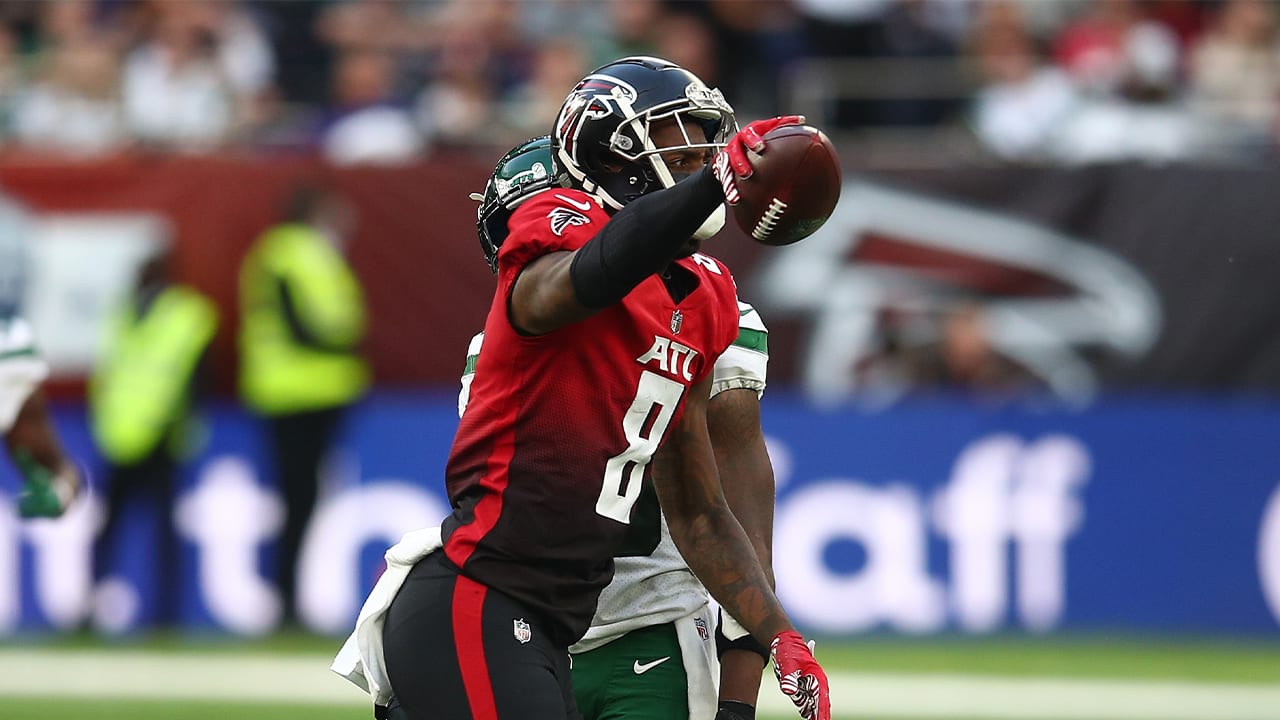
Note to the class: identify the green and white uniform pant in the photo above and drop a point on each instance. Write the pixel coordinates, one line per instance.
(660, 672)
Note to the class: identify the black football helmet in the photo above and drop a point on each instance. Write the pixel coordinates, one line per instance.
(602, 138)
(526, 170)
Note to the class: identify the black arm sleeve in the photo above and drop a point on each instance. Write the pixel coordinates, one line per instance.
(641, 239)
(733, 710)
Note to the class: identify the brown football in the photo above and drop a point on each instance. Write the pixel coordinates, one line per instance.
(793, 188)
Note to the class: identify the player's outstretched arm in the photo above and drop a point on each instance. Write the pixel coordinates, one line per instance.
(719, 553)
(51, 482)
(639, 240)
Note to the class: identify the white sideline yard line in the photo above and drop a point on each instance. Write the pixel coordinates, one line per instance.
(306, 680)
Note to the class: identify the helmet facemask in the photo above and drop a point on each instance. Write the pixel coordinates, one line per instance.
(604, 135)
(712, 115)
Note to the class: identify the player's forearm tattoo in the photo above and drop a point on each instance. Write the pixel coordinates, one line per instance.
(710, 538)
(746, 474)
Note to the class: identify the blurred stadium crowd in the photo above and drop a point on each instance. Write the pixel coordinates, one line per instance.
(392, 80)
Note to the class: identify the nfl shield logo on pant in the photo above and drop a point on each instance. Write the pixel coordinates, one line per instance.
(522, 631)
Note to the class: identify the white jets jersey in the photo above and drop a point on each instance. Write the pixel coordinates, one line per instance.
(14, 229)
(659, 587)
(21, 368)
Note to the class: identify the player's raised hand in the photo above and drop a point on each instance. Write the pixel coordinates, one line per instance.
(751, 138)
(800, 676)
(732, 162)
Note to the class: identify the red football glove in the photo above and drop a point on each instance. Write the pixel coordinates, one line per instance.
(734, 155)
(800, 676)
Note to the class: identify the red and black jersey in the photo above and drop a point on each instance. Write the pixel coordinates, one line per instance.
(554, 446)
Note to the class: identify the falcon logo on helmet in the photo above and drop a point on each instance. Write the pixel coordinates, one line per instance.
(595, 98)
(603, 141)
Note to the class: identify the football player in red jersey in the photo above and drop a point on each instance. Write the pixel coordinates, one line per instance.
(599, 347)
(649, 653)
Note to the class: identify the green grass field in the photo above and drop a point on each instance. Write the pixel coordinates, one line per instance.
(35, 709)
(285, 678)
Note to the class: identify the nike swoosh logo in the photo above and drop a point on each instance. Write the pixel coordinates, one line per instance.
(642, 669)
(584, 206)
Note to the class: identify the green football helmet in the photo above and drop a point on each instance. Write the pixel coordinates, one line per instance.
(523, 172)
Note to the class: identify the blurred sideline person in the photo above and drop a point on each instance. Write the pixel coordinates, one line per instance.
(648, 652)
(141, 398)
(302, 319)
(50, 481)
(593, 384)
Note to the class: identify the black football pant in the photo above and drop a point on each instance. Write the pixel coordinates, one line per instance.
(458, 650)
(299, 443)
(149, 480)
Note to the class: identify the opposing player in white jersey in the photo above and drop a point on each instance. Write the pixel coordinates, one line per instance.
(650, 650)
(50, 481)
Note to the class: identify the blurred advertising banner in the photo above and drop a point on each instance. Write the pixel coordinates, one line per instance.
(1144, 514)
(83, 268)
(415, 248)
(1059, 281)
(1056, 281)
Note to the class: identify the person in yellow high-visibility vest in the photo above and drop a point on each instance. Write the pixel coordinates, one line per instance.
(302, 319)
(141, 397)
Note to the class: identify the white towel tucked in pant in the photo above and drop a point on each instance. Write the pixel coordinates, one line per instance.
(360, 660)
